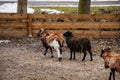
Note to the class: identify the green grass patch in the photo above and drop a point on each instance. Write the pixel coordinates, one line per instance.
(67, 10)
(71, 10)
(111, 9)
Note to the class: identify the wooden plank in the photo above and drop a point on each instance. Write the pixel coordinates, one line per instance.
(59, 31)
(91, 25)
(47, 16)
(13, 33)
(77, 16)
(87, 33)
(110, 25)
(14, 24)
(107, 16)
(78, 33)
(57, 16)
(65, 25)
(57, 25)
(12, 16)
(110, 33)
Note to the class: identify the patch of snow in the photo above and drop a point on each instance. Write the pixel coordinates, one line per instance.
(5, 41)
(51, 11)
(12, 8)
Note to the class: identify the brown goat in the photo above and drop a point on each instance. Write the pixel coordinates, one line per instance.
(51, 40)
(111, 60)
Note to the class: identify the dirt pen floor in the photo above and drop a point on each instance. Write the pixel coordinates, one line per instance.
(23, 59)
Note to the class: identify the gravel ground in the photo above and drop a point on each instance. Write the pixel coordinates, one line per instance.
(22, 59)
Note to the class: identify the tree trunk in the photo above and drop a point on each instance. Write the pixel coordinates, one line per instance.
(84, 7)
(22, 6)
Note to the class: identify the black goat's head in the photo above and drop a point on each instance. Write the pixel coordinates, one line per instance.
(105, 50)
(68, 34)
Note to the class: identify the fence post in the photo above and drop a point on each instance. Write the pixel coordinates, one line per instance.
(30, 25)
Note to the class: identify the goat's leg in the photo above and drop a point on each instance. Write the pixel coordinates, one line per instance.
(46, 49)
(70, 54)
(51, 52)
(84, 52)
(113, 71)
(58, 52)
(113, 75)
(60, 58)
(110, 75)
(90, 52)
(74, 56)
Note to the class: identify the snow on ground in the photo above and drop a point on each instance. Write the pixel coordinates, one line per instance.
(51, 11)
(5, 41)
(12, 8)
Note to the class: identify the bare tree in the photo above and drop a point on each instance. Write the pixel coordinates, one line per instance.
(84, 7)
(22, 6)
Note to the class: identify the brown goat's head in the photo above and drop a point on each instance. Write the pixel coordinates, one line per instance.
(106, 50)
(42, 33)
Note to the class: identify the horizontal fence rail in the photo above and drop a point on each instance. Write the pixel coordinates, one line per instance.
(86, 25)
(105, 26)
(13, 25)
(77, 16)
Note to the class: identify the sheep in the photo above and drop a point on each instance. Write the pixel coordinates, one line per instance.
(76, 44)
(51, 40)
(111, 61)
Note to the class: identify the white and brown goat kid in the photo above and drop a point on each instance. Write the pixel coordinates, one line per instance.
(51, 40)
(111, 61)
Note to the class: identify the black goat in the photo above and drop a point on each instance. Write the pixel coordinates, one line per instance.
(76, 44)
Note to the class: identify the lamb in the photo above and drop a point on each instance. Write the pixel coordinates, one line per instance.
(111, 61)
(76, 44)
(51, 40)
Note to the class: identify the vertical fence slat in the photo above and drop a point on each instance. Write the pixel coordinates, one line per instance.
(30, 25)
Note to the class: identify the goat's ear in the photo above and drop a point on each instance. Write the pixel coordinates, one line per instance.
(69, 34)
(102, 51)
(108, 49)
(42, 29)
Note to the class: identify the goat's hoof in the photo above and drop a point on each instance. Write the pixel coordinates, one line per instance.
(91, 60)
(70, 58)
(44, 54)
(82, 59)
(52, 56)
(73, 58)
(60, 59)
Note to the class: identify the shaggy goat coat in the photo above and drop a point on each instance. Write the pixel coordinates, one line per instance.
(52, 40)
(111, 60)
(76, 44)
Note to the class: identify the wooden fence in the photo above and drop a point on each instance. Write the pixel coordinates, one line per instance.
(13, 25)
(94, 25)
